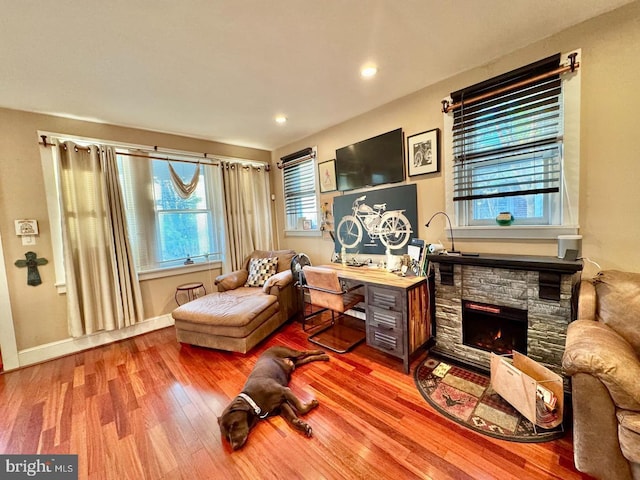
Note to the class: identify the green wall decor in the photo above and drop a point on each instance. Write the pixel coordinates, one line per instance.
(32, 261)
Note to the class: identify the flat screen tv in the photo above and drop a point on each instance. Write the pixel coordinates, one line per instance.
(371, 162)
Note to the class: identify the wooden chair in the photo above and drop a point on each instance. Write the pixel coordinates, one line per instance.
(326, 292)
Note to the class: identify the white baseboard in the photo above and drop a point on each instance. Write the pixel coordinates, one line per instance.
(49, 351)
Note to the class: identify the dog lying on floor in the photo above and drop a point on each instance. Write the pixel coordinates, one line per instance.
(266, 393)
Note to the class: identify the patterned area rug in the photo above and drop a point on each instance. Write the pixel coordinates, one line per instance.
(466, 397)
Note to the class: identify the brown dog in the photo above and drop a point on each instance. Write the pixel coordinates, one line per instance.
(266, 393)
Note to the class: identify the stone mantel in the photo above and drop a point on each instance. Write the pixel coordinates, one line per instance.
(512, 262)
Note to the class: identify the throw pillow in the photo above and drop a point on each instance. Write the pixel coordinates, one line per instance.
(260, 269)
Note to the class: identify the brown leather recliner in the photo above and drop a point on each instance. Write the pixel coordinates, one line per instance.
(602, 356)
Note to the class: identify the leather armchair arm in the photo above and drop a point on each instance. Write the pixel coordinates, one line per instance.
(280, 280)
(231, 280)
(595, 349)
(587, 301)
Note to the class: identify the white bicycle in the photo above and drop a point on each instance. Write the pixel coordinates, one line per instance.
(392, 227)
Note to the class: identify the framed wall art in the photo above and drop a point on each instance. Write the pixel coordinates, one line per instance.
(375, 221)
(327, 176)
(423, 152)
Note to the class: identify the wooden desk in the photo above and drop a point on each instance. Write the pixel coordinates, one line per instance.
(398, 318)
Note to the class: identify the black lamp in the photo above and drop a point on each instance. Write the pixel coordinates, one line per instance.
(453, 247)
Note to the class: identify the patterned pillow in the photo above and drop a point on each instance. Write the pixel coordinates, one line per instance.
(260, 269)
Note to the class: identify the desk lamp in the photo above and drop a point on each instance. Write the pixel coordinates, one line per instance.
(453, 247)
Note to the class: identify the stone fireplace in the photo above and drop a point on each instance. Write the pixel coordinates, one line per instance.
(502, 303)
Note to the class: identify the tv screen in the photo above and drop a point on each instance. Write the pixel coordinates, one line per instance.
(371, 162)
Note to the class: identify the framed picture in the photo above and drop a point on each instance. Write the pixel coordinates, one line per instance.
(423, 152)
(327, 176)
(26, 227)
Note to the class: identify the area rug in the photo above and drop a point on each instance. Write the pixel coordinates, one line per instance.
(466, 397)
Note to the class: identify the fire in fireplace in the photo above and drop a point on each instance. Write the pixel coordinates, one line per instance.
(494, 328)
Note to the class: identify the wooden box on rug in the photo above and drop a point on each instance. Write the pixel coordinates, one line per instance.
(532, 389)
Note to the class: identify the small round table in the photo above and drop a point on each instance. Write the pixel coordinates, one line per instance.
(189, 291)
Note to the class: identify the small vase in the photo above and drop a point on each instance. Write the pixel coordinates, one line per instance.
(504, 219)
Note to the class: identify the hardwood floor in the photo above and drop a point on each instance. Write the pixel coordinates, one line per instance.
(146, 408)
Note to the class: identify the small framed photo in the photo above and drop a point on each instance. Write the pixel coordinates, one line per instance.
(327, 176)
(423, 152)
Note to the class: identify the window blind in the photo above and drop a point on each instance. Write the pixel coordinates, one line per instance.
(299, 187)
(509, 143)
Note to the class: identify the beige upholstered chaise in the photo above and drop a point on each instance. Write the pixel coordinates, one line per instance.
(237, 317)
(602, 356)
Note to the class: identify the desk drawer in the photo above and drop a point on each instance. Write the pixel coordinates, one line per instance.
(387, 298)
(384, 319)
(389, 341)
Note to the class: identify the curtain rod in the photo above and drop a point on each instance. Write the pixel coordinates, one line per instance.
(208, 161)
(153, 157)
(447, 107)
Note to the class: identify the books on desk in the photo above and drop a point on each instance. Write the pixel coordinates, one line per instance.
(418, 251)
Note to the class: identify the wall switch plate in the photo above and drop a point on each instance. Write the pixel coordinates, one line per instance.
(28, 239)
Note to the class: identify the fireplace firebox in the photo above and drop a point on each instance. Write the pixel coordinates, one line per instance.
(494, 328)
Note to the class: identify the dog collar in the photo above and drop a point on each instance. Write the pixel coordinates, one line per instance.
(253, 404)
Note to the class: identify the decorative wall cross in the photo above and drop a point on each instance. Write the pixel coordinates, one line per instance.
(32, 261)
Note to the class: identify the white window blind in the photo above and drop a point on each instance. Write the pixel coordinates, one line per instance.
(300, 201)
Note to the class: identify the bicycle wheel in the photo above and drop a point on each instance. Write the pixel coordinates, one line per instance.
(349, 231)
(395, 230)
(417, 159)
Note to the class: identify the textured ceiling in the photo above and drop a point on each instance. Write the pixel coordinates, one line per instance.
(222, 70)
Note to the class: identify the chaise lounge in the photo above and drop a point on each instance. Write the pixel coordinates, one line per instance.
(249, 305)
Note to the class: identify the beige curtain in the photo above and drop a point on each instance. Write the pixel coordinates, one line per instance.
(247, 197)
(102, 286)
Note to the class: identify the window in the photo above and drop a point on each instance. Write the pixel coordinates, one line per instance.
(165, 228)
(300, 201)
(507, 145)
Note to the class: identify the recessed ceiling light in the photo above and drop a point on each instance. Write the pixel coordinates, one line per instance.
(369, 71)
(281, 119)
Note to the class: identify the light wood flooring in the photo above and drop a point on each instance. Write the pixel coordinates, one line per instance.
(146, 408)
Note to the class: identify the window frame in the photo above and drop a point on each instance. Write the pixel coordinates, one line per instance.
(209, 211)
(567, 208)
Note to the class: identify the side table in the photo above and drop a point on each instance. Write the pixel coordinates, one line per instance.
(189, 291)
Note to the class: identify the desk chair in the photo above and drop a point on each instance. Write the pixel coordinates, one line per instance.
(325, 291)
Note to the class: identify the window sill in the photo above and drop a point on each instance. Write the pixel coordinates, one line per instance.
(302, 233)
(518, 232)
(178, 270)
(61, 288)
